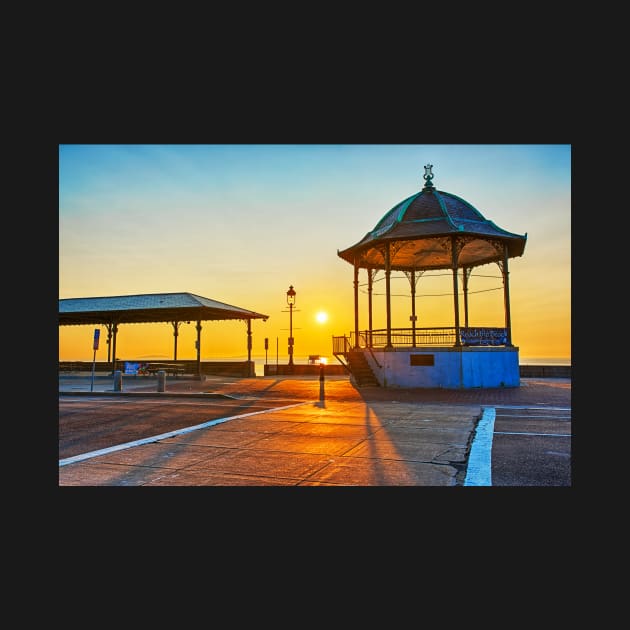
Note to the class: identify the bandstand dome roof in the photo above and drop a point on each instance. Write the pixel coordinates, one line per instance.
(420, 229)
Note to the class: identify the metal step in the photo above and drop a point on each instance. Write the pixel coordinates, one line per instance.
(361, 370)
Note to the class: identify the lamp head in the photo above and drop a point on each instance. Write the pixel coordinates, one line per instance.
(291, 296)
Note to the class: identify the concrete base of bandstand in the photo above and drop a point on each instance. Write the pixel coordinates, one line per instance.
(461, 367)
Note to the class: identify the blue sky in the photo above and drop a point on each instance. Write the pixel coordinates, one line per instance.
(239, 223)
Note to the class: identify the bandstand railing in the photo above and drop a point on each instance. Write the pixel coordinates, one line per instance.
(410, 338)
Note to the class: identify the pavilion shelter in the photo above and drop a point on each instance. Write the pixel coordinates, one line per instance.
(175, 308)
(429, 231)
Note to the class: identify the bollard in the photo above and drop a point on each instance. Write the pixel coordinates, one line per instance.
(161, 380)
(322, 393)
(117, 381)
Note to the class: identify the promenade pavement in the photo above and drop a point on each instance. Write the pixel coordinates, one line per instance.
(277, 431)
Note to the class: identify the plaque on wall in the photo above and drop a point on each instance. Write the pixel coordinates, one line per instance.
(421, 359)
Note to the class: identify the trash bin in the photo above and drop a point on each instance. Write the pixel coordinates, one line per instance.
(117, 381)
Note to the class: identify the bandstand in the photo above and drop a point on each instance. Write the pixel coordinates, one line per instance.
(430, 231)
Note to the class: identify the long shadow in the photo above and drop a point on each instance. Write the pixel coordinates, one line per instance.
(380, 470)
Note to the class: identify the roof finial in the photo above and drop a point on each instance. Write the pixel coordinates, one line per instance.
(428, 176)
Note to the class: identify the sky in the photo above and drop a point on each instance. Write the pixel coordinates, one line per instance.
(241, 223)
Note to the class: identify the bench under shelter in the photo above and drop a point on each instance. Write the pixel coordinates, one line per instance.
(176, 308)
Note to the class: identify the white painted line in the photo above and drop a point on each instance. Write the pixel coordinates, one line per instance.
(479, 472)
(155, 438)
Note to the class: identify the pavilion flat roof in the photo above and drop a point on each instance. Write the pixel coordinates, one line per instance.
(150, 307)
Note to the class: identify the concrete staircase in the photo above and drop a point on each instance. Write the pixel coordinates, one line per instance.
(361, 369)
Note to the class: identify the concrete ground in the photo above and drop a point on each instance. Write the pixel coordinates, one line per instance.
(282, 431)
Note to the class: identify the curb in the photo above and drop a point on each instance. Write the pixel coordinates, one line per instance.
(152, 394)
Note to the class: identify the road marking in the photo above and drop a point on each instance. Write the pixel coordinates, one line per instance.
(155, 438)
(479, 471)
(234, 402)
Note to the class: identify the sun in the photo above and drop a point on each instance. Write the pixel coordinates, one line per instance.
(321, 317)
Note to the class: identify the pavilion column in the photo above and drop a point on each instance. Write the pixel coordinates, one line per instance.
(109, 342)
(388, 272)
(175, 335)
(249, 348)
(356, 303)
(115, 331)
(454, 254)
(198, 346)
(506, 297)
(371, 274)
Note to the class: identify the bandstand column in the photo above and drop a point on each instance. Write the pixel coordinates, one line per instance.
(388, 273)
(454, 253)
(356, 304)
(371, 274)
(413, 308)
(465, 276)
(506, 297)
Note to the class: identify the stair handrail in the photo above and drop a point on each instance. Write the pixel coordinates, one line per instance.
(380, 367)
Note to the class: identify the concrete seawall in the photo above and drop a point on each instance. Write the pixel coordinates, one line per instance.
(542, 371)
(526, 371)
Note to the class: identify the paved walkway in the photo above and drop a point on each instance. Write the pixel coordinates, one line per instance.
(309, 432)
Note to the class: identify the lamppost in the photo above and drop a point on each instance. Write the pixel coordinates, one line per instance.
(291, 303)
